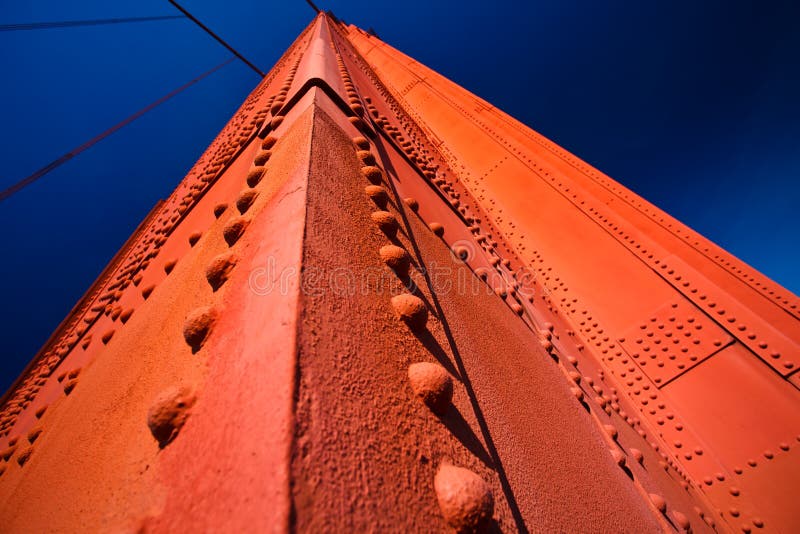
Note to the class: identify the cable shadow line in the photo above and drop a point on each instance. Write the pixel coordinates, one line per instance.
(492, 449)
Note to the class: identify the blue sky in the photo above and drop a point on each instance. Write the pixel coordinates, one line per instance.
(693, 105)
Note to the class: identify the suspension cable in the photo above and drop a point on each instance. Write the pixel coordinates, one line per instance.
(90, 143)
(72, 23)
(217, 37)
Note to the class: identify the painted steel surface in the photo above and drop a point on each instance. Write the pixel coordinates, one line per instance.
(379, 303)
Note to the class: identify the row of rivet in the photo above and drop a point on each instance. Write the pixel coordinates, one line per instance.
(147, 248)
(464, 498)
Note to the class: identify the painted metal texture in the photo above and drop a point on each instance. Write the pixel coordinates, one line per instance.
(378, 303)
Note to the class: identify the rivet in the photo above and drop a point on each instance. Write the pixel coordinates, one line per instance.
(361, 143)
(411, 310)
(169, 266)
(219, 209)
(411, 203)
(681, 520)
(396, 258)
(24, 456)
(147, 291)
(268, 142)
(432, 384)
(254, 176)
(107, 336)
(465, 499)
(637, 455)
(69, 386)
(659, 502)
(33, 434)
(219, 269)
(245, 200)
(194, 238)
(461, 252)
(262, 157)
(125, 315)
(386, 222)
(373, 174)
(618, 457)
(358, 123)
(234, 229)
(276, 121)
(366, 157)
(197, 326)
(168, 414)
(611, 431)
(436, 228)
(378, 195)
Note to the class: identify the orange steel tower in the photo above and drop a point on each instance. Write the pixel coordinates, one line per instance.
(378, 303)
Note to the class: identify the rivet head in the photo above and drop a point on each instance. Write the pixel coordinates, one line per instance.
(197, 326)
(219, 209)
(411, 310)
(366, 157)
(659, 502)
(361, 143)
(432, 384)
(436, 228)
(107, 336)
(234, 230)
(245, 200)
(262, 157)
(254, 176)
(373, 174)
(168, 414)
(386, 222)
(24, 456)
(465, 499)
(219, 269)
(461, 252)
(268, 142)
(637, 455)
(125, 315)
(396, 258)
(378, 195)
(411, 203)
(681, 520)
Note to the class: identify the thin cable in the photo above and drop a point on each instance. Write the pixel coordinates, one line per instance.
(313, 6)
(217, 37)
(72, 23)
(90, 143)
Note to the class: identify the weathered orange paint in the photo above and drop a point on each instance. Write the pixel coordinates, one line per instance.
(379, 303)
